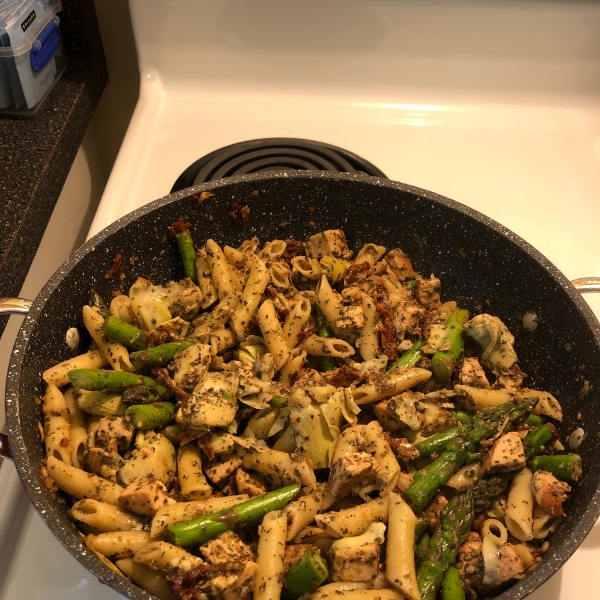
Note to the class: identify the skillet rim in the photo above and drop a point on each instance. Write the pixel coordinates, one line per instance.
(29, 476)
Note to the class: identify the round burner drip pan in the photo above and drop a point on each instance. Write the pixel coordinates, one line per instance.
(273, 154)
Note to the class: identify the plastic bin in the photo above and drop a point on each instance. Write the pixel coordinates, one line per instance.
(32, 58)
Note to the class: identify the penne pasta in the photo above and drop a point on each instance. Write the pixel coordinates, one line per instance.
(78, 428)
(80, 484)
(115, 353)
(58, 374)
(400, 550)
(519, 509)
(57, 429)
(150, 580)
(119, 543)
(104, 517)
(273, 334)
(321, 346)
(350, 522)
(191, 478)
(269, 560)
(253, 291)
(396, 382)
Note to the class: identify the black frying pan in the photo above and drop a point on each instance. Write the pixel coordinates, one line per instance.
(482, 265)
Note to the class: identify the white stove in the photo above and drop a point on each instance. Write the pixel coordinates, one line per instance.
(494, 104)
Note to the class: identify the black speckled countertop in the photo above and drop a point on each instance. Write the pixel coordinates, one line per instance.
(36, 153)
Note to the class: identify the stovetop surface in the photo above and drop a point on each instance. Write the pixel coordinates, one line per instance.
(493, 104)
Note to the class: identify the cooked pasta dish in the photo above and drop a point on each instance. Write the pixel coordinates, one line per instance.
(297, 420)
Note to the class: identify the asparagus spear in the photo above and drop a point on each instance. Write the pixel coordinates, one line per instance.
(566, 467)
(245, 514)
(125, 333)
(452, 587)
(179, 229)
(103, 380)
(422, 548)
(534, 420)
(420, 492)
(141, 394)
(96, 300)
(150, 416)
(486, 491)
(305, 575)
(462, 416)
(158, 356)
(444, 362)
(421, 528)
(455, 523)
(535, 439)
(438, 442)
(486, 424)
(410, 358)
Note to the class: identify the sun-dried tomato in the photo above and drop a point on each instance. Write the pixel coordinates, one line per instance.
(364, 267)
(389, 343)
(179, 226)
(239, 212)
(157, 338)
(343, 376)
(116, 269)
(292, 248)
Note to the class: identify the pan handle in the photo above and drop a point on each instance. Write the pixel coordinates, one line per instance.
(14, 306)
(11, 306)
(587, 284)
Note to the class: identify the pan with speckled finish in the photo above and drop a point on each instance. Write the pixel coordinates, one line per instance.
(482, 265)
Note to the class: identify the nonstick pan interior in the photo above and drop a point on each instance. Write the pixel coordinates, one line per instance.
(483, 266)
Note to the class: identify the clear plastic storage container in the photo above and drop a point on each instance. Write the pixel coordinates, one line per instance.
(31, 54)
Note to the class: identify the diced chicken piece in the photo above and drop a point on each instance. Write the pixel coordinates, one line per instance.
(231, 587)
(399, 412)
(249, 484)
(549, 492)
(507, 454)
(408, 317)
(436, 418)
(427, 293)
(102, 463)
(145, 497)
(403, 450)
(114, 433)
(219, 470)
(506, 565)
(472, 373)
(351, 321)
(228, 548)
(355, 563)
(349, 471)
(405, 480)
(433, 510)
(399, 264)
(471, 565)
(332, 241)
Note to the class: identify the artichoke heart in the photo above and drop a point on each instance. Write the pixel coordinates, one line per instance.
(495, 339)
(213, 402)
(154, 459)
